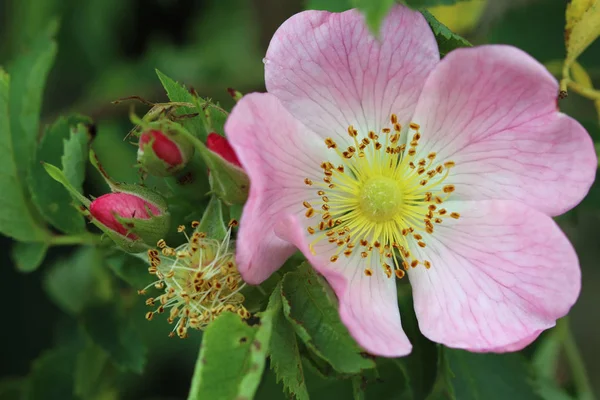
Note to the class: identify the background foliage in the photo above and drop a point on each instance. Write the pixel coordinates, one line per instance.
(74, 327)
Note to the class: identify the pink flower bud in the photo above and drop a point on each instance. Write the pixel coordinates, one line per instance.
(163, 153)
(124, 205)
(221, 146)
(163, 147)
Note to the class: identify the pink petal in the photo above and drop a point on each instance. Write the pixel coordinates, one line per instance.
(368, 306)
(492, 110)
(330, 72)
(277, 153)
(500, 274)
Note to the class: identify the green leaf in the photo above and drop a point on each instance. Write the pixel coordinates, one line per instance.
(28, 73)
(79, 280)
(29, 256)
(16, 220)
(374, 11)
(91, 362)
(51, 199)
(114, 332)
(75, 156)
(446, 39)
(283, 350)
(212, 221)
(51, 375)
(328, 5)
(315, 318)
(231, 359)
(178, 93)
(487, 376)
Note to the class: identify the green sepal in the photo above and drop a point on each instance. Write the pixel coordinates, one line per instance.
(227, 181)
(212, 221)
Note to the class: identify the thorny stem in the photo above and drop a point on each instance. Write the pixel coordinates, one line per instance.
(580, 378)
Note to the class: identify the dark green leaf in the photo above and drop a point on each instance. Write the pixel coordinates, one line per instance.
(91, 362)
(283, 350)
(28, 74)
(114, 333)
(316, 320)
(231, 359)
(328, 5)
(446, 39)
(74, 159)
(52, 200)
(79, 280)
(374, 11)
(13, 388)
(16, 220)
(52, 375)
(28, 256)
(487, 376)
(178, 93)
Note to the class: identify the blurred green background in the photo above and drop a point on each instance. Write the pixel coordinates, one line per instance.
(110, 48)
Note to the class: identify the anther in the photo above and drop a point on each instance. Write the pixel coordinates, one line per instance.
(399, 273)
(455, 215)
(333, 258)
(308, 182)
(368, 272)
(306, 204)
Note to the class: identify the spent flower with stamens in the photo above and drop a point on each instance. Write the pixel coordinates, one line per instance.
(377, 160)
(199, 280)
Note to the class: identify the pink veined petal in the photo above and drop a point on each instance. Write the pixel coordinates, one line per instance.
(330, 72)
(368, 306)
(500, 274)
(277, 153)
(492, 110)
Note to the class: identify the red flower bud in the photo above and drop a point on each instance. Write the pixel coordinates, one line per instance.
(163, 154)
(124, 205)
(221, 146)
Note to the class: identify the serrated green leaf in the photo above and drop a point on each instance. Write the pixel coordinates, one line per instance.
(75, 156)
(28, 256)
(316, 320)
(178, 93)
(28, 73)
(16, 220)
(111, 330)
(76, 281)
(51, 199)
(51, 375)
(446, 39)
(486, 376)
(283, 350)
(212, 221)
(328, 5)
(374, 11)
(232, 358)
(91, 362)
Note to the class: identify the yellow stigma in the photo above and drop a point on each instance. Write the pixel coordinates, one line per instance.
(199, 279)
(381, 200)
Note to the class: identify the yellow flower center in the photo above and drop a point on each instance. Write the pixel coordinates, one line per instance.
(381, 198)
(199, 279)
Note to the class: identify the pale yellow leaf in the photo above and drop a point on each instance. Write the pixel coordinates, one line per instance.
(582, 26)
(461, 17)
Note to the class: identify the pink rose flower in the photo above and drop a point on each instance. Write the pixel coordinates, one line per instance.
(376, 160)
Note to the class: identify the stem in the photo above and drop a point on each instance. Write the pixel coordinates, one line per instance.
(590, 93)
(580, 378)
(68, 240)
